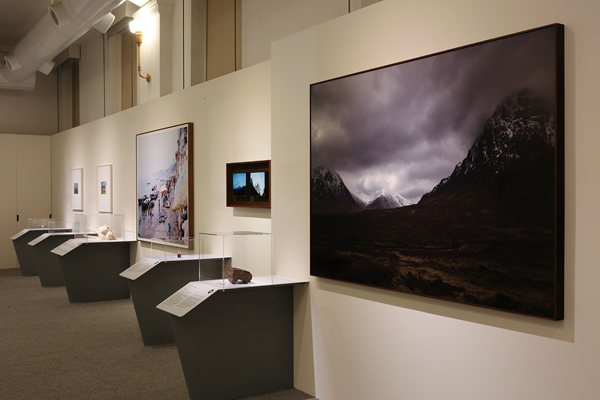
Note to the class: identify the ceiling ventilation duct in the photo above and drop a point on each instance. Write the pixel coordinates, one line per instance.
(64, 23)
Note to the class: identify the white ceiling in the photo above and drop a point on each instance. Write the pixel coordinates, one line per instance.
(17, 17)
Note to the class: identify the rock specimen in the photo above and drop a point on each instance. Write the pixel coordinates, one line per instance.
(236, 274)
(104, 233)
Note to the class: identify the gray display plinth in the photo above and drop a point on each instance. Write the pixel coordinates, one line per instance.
(23, 250)
(46, 262)
(236, 342)
(91, 269)
(158, 283)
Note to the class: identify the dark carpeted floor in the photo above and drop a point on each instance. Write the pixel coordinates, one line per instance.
(53, 349)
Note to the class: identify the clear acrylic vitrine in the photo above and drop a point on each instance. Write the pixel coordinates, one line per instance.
(38, 223)
(247, 250)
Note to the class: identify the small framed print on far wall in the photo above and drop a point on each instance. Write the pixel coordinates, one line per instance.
(249, 184)
(76, 189)
(104, 188)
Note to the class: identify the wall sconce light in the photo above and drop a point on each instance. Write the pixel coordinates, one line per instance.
(135, 27)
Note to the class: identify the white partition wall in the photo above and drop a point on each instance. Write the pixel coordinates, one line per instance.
(355, 342)
(231, 117)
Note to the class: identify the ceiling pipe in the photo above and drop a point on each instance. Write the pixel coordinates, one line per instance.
(105, 23)
(64, 23)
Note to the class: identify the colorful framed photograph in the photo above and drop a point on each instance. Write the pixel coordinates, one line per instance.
(443, 176)
(164, 184)
(104, 187)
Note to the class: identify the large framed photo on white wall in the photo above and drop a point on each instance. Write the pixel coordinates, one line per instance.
(443, 176)
(164, 184)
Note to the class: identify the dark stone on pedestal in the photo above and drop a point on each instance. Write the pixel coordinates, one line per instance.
(236, 274)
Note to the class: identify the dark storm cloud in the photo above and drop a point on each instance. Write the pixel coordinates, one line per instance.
(406, 126)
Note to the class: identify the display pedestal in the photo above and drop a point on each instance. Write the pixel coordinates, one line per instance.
(91, 269)
(23, 250)
(237, 342)
(46, 262)
(159, 282)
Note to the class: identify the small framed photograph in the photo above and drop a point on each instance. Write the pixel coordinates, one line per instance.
(77, 189)
(104, 186)
(249, 184)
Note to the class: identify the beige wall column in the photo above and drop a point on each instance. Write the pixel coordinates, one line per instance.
(162, 43)
(8, 212)
(165, 33)
(30, 112)
(34, 178)
(195, 41)
(26, 187)
(220, 40)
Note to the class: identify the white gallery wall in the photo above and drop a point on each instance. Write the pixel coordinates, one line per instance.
(231, 117)
(354, 342)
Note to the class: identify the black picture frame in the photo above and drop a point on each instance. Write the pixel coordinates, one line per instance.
(258, 194)
(443, 176)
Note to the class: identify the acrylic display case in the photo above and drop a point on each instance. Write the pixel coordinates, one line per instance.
(59, 227)
(154, 278)
(35, 228)
(46, 262)
(246, 250)
(90, 224)
(245, 329)
(244, 336)
(91, 264)
(38, 223)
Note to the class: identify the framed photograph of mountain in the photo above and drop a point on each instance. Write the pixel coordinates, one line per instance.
(239, 184)
(443, 176)
(249, 184)
(258, 188)
(164, 184)
(77, 189)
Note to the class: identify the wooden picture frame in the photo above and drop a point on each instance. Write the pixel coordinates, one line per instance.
(255, 176)
(443, 176)
(164, 184)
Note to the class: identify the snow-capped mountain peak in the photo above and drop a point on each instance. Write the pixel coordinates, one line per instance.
(329, 193)
(382, 199)
(332, 181)
(518, 137)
